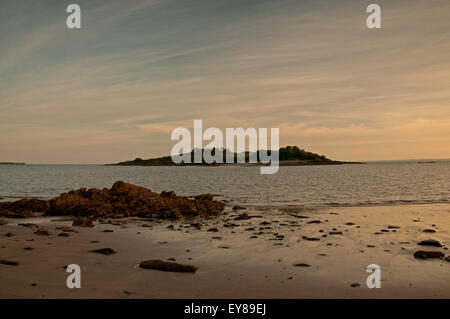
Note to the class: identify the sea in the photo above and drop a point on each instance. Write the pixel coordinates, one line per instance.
(373, 183)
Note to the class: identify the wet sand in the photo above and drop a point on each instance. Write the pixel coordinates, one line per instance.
(244, 258)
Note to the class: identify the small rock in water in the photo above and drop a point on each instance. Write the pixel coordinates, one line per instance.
(104, 251)
(430, 242)
(167, 266)
(428, 254)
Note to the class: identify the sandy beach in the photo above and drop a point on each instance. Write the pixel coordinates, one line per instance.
(236, 257)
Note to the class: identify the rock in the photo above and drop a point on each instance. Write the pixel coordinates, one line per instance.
(122, 200)
(447, 258)
(430, 242)
(265, 223)
(63, 235)
(355, 285)
(393, 227)
(428, 254)
(314, 222)
(238, 207)
(104, 251)
(429, 231)
(301, 265)
(42, 232)
(3, 222)
(28, 248)
(82, 222)
(214, 229)
(197, 225)
(350, 224)
(9, 234)
(30, 225)
(9, 262)
(108, 231)
(216, 237)
(312, 239)
(335, 233)
(167, 266)
(24, 208)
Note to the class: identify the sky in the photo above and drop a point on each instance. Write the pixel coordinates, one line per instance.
(116, 88)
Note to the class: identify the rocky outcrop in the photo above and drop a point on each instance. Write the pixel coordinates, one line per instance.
(122, 200)
(23, 208)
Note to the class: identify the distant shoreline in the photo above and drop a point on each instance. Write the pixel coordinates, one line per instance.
(281, 163)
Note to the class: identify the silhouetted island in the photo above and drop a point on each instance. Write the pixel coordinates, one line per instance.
(288, 156)
(11, 163)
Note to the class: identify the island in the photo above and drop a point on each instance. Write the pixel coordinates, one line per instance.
(288, 156)
(11, 163)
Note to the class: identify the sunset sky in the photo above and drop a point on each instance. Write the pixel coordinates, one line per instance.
(137, 69)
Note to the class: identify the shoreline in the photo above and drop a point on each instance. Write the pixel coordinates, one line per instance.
(231, 263)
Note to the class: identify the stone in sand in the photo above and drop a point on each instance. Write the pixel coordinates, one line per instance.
(214, 229)
(82, 222)
(430, 242)
(314, 222)
(301, 265)
(9, 262)
(429, 231)
(238, 207)
(104, 251)
(335, 233)
(428, 254)
(167, 266)
(9, 234)
(447, 258)
(63, 235)
(355, 285)
(43, 232)
(28, 225)
(3, 222)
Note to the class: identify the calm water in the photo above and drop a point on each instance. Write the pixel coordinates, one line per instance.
(373, 183)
